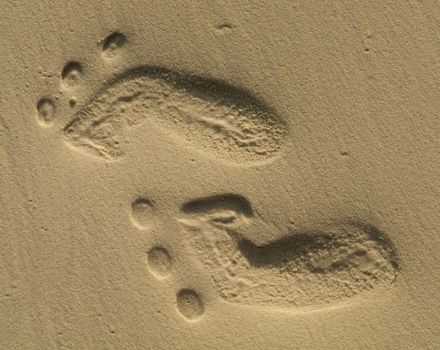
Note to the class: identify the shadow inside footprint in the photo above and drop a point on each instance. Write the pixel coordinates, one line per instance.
(321, 252)
(302, 268)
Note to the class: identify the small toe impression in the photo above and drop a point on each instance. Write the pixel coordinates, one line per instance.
(143, 212)
(190, 304)
(159, 262)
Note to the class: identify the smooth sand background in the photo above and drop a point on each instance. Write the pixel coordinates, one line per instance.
(357, 81)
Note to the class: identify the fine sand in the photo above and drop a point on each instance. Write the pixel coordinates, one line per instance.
(220, 175)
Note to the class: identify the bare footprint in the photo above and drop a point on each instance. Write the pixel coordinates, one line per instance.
(302, 269)
(208, 115)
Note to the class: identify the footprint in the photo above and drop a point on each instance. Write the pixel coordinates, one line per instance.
(208, 115)
(302, 269)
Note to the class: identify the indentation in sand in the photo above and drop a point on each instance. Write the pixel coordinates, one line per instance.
(159, 262)
(208, 115)
(143, 212)
(190, 304)
(71, 74)
(112, 44)
(305, 268)
(46, 111)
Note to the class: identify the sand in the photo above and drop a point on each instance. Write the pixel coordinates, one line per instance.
(219, 175)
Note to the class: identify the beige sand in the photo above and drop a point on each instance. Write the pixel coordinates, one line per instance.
(220, 175)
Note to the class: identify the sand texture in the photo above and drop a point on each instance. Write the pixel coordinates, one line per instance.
(220, 175)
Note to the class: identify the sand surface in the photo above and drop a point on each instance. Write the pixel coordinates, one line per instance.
(220, 175)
